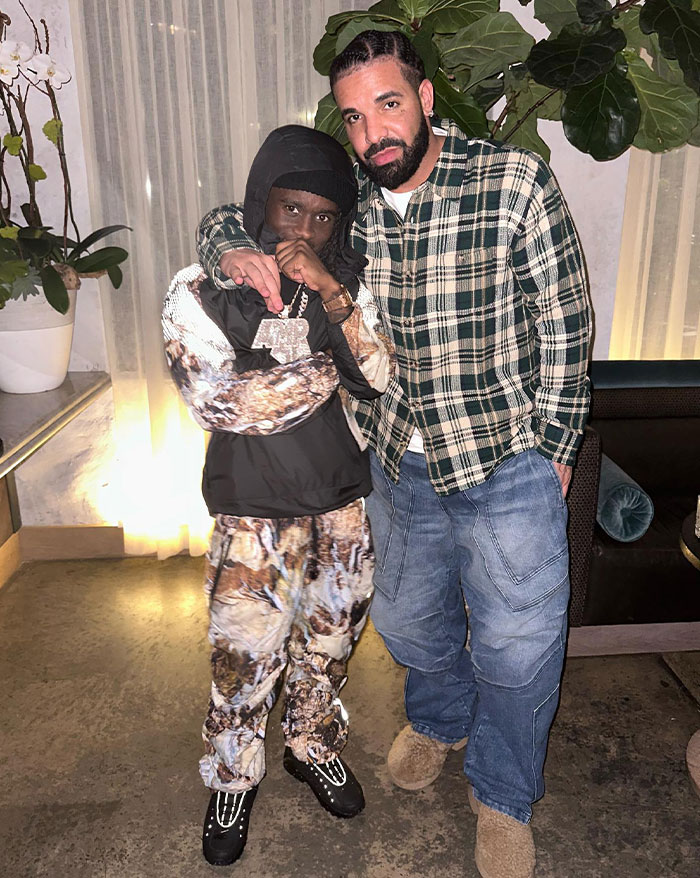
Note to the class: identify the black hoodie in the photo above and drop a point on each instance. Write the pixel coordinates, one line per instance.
(317, 466)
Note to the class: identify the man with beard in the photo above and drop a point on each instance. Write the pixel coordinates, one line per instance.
(477, 271)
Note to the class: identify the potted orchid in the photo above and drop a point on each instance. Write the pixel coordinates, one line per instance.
(40, 268)
(33, 257)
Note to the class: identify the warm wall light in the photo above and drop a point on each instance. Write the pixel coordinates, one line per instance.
(153, 482)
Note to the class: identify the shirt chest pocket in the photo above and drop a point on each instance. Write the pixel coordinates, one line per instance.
(466, 279)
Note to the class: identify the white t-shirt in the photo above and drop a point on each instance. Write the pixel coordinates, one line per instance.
(399, 201)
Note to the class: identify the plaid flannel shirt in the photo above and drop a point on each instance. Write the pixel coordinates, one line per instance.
(483, 291)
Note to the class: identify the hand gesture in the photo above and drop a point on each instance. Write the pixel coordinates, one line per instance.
(299, 262)
(258, 271)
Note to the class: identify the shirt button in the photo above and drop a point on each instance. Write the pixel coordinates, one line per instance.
(461, 258)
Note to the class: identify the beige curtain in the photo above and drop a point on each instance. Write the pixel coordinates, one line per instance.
(657, 302)
(176, 97)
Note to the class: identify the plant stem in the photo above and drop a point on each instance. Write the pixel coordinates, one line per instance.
(4, 209)
(67, 195)
(504, 113)
(37, 43)
(530, 112)
(620, 7)
(34, 218)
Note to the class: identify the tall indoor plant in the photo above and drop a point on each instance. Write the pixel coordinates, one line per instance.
(614, 75)
(39, 266)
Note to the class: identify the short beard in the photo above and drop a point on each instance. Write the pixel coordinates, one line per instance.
(395, 174)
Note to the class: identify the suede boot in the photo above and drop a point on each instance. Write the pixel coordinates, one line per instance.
(416, 760)
(504, 846)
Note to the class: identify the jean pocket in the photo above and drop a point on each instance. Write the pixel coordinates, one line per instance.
(389, 525)
(526, 520)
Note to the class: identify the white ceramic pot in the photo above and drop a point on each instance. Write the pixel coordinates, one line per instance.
(35, 342)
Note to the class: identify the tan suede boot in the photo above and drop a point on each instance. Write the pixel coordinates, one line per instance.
(416, 760)
(504, 847)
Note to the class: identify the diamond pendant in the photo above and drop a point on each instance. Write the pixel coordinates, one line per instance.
(285, 338)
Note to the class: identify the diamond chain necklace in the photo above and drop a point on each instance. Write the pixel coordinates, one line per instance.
(287, 310)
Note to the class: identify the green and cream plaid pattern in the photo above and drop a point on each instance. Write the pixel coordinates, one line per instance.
(483, 291)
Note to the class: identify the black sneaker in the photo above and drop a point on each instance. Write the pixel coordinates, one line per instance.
(334, 785)
(226, 826)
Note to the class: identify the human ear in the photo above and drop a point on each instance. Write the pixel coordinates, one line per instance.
(426, 95)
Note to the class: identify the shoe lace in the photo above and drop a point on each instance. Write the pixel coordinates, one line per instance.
(333, 771)
(231, 801)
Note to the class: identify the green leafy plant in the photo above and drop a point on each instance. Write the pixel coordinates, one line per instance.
(613, 75)
(32, 257)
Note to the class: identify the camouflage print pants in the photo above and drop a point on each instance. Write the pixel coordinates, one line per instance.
(284, 592)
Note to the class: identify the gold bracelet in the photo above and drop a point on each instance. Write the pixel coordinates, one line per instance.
(339, 302)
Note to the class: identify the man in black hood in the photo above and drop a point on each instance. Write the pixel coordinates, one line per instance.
(289, 566)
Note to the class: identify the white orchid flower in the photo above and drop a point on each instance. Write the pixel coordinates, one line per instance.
(47, 70)
(9, 70)
(15, 52)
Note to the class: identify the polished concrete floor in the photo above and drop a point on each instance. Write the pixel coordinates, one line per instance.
(103, 670)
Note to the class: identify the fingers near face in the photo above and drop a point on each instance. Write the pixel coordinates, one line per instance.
(295, 214)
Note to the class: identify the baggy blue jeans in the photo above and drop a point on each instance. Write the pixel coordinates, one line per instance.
(500, 546)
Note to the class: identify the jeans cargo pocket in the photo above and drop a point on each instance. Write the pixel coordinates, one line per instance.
(526, 520)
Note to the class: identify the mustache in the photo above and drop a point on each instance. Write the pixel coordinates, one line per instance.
(385, 143)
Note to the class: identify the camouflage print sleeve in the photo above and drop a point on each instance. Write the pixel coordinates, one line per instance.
(201, 361)
(369, 343)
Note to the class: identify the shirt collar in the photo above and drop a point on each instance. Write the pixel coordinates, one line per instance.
(445, 179)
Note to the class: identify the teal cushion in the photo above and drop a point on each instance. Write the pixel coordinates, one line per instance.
(625, 510)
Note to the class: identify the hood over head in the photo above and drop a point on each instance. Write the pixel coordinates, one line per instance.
(296, 157)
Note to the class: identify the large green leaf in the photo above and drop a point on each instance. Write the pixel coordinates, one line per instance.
(488, 46)
(667, 69)
(39, 248)
(416, 9)
(388, 7)
(328, 118)
(488, 92)
(592, 11)
(524, 134)
(335, 22)
(54, 289)
(324, 53)
(96, 236)
(522, 93)
(556, 14)
(463, 109)
(449, 16)
(636, 38)
(115, 275)
(573, 57)
(348, 33)
(669, 112)
(100, 260)
(678, 27)
(601, 117)
(424, 45)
